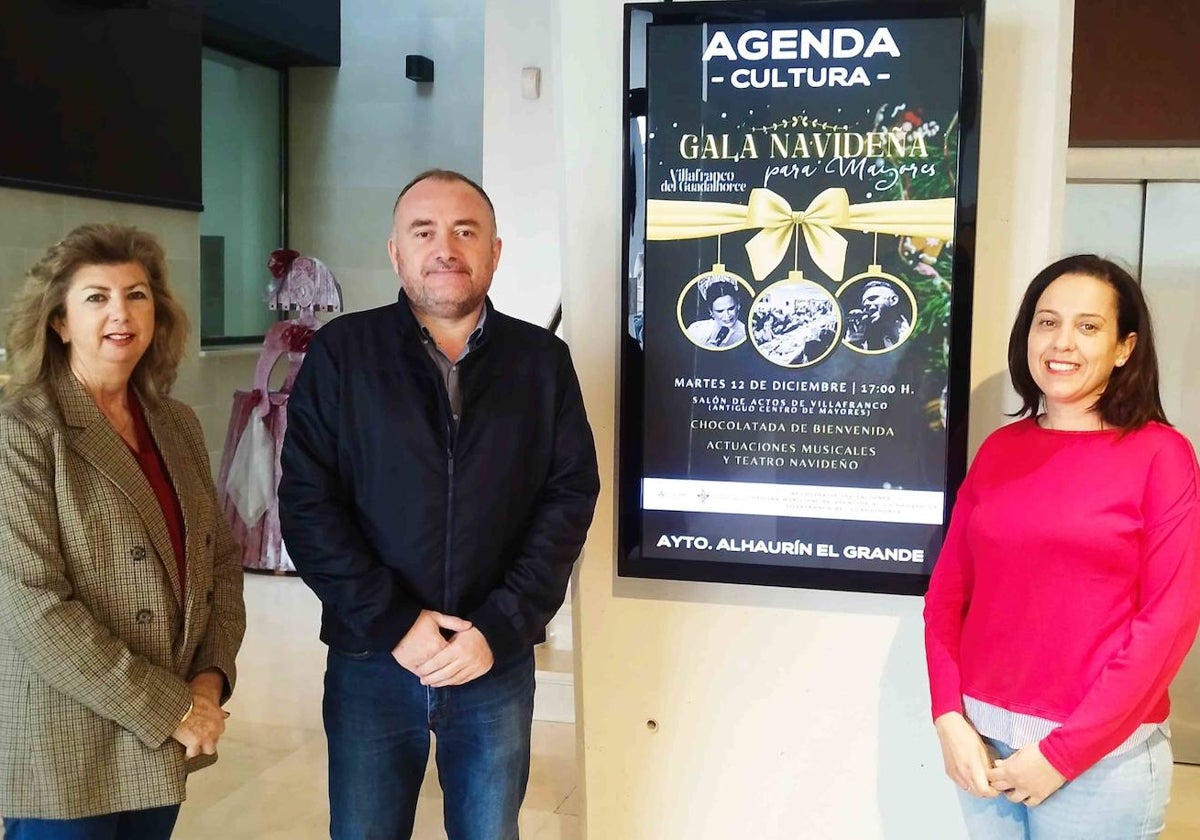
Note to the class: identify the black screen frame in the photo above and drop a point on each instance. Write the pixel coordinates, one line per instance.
(631, 382)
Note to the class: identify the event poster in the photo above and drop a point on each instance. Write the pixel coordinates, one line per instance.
(793, 291)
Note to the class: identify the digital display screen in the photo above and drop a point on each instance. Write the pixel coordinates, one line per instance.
(794, 363)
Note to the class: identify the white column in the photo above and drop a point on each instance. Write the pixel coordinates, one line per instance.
(780, 713)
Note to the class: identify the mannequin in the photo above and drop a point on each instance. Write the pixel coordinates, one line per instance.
(247, 481)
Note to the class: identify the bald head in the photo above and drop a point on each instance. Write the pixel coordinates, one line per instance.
(449, 176)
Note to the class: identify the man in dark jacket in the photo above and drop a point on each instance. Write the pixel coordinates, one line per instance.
(439, 478)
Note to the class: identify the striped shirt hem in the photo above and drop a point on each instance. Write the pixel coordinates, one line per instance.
(1018, 730)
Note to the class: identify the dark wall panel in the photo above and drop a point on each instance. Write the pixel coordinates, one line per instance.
(1136, 73)
(102, 102)
(277, 32)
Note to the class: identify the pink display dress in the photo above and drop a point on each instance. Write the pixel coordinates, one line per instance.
(262, 546)
(305, 285)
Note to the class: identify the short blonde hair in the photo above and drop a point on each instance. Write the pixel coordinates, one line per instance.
(36, 354)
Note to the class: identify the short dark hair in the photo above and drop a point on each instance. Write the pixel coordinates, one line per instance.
(719, 289)
(880, 284)
(1130, 399)
(36, 353)
(446, 175)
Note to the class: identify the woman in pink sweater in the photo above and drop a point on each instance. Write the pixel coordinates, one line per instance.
(1068, 590)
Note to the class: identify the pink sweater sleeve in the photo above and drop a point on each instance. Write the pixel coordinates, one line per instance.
(1162, 630)
(946, 605)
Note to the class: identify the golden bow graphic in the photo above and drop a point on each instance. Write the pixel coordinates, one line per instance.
(830, 210)
(772, 213)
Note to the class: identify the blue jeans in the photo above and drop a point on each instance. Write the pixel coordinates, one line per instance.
(378, 718)
(1120, 798)
(146, 824)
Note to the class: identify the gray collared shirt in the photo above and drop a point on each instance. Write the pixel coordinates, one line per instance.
(448, 367)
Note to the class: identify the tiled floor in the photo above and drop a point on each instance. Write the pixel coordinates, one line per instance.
(270, 785)
(270, 782)
(1183, 814)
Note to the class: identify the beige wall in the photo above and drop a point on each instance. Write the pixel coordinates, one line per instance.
(522, 170)
(31, 221)
(359, 132)
(780, 713)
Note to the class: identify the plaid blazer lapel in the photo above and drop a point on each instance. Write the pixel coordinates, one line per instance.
(98, 443)
(182, 473)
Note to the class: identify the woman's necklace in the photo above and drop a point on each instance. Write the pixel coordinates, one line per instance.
(122, 425)
(124, 428)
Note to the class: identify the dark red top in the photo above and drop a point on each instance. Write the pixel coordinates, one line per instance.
(155, 470)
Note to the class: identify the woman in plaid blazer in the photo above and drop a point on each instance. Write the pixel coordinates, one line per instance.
(120, 592)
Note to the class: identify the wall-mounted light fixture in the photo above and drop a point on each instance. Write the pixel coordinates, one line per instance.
(418, 68)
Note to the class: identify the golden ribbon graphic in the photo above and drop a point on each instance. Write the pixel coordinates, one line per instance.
(777, 223)
(692, 219)
(769, 211)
